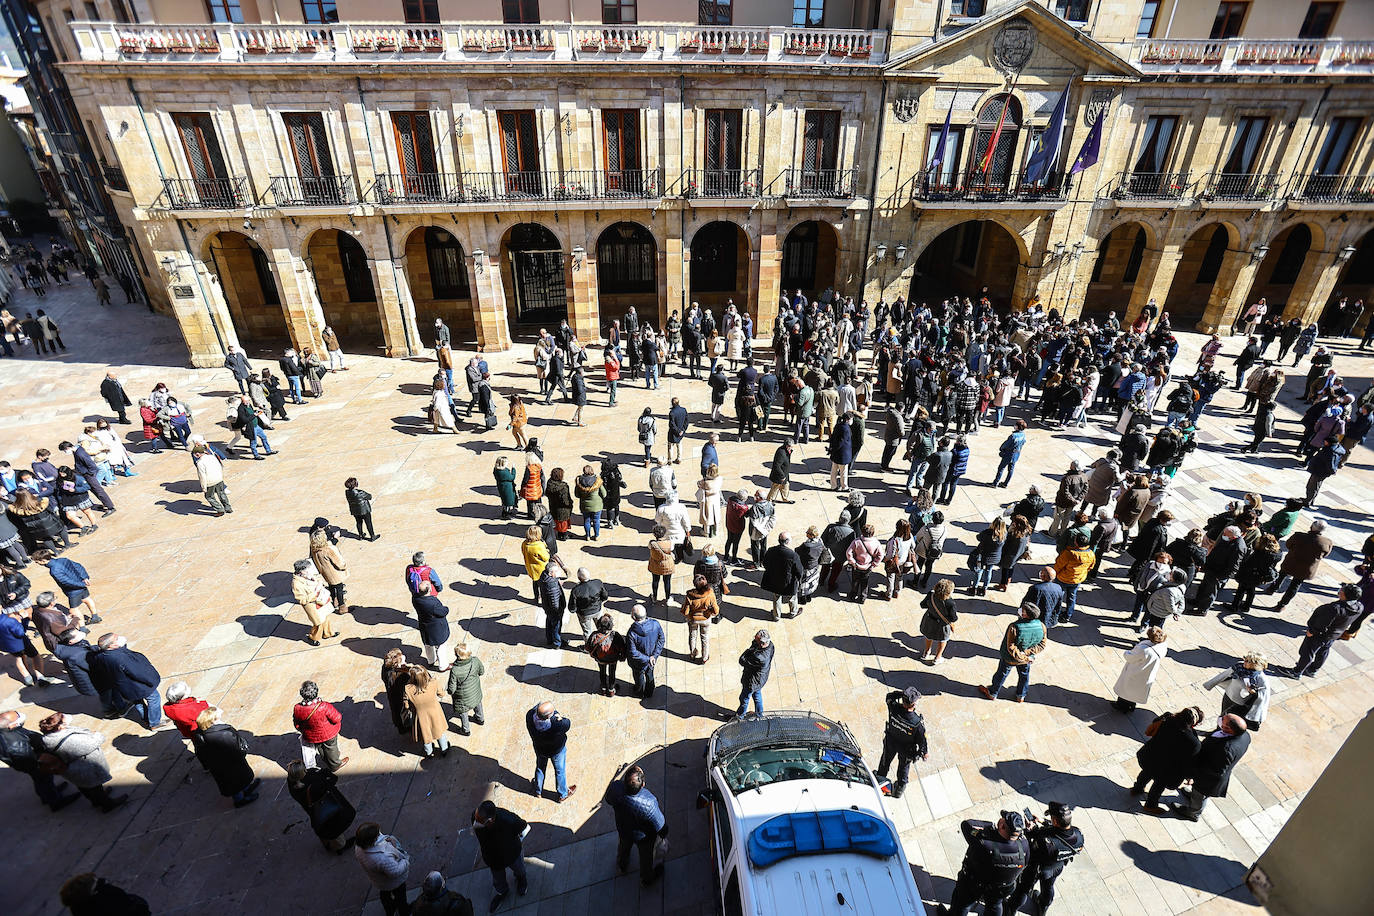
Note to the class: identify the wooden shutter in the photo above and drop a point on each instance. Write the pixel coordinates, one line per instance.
(620, 130)
(520, 152)
(309, 145)
(414, 142)
(821, 140)
(197, 132)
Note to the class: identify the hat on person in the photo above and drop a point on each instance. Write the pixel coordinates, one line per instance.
(1016, 822)
(911, 695)
(1059, 810)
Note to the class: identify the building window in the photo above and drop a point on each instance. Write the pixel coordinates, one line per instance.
(723, 145)
(414, 142)
(1072, 10)
(353, 263)
(1211, 259)
(809, 14)
(1154, 150)
(945, 173)
(520, 153)
(1319, 20)
(1339, 138)
(1137, 256)
(121, 11)
(1230, 19)
(1149, 13)
(421, 11)
(625, 260)
(309, 145)
(1246, 146)
(320, 11)
(516, 12)
(448, 275)
(970, 8)
(224, 10)
(820, 149)
(620, 143)
(619, 12)
(715, 12)
(198, 141)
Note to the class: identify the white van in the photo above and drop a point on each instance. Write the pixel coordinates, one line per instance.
(798, 826)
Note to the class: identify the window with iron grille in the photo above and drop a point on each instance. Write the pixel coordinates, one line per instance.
(356, 273)
(309, 144)
(1336, 147)
(820, 149)
(448, 275)
(715, 12)
(198, 141)
(626, 260)
(1154, 149)
(1245, 148)
(414, 142)
(620, 143)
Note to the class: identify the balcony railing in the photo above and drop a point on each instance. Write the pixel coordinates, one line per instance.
(204, 193)
(114, 177)
(980, 188)
(802, 182)
(1151, 186)
(1332, 189)
(452, 41)
(1240, 56)
(418, 188)
(717, 183)
(320, 191)
(1234, 186)
(611, 184)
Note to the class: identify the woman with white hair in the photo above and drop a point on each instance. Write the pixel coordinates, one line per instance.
(1245, 689)
(313, 596)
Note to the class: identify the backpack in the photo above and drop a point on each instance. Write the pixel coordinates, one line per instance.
(645, 424)
(606, 647)
(415, 575)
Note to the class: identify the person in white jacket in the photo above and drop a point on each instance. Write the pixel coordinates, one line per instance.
(1140, 670)
(210, 470)
(677, 522)
(386, 865)
(710, 503)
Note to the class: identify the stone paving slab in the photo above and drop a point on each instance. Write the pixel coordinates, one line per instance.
(209, 601)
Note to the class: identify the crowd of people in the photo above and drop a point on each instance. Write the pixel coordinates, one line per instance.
(942, 378)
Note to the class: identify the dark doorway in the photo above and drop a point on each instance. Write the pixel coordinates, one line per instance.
(539, 273)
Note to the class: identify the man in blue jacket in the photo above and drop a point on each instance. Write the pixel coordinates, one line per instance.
(126, 680)
(645, 640)
(677, 429)
(1010, 451)
(548, 730)
(86, 469)
(639, 822)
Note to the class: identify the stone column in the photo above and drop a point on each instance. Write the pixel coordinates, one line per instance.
(1312, 290)
(397, 310)
(201, 315)
(1156, 276)
(671, 262)
(300, 302)
(1229, 292)
(765, 276)
(584, 311)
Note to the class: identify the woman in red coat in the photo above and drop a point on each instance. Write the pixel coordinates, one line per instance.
(318, 723)
(151, 430)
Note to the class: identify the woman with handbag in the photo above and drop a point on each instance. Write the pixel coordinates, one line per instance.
(317, 792)
(74, 754)
(899, 558)
(937, 623)
(313, 597)
(224, 752)
(429, 724)
(1246, 689)
(1167, 755)
(607, 648)
(314, 371)
(700, 608)
(810, 552)
(395, 676)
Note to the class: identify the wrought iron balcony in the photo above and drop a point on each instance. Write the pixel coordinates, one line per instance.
(1235, 186)
(418, 188)
(977, 187)
(803, 182)
(204, 193)
(1151, 186)
(1332, 189)
(320, 191)
(610, 184)
(717, 183)
(114, 177)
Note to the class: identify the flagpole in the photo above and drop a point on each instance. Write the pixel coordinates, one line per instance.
(997, 134)
(1073, 211)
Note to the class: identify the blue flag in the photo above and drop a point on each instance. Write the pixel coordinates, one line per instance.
(938, 157)
(1046, 151)
(1092, 146)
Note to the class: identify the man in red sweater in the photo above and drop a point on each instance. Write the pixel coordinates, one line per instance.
(318, 723)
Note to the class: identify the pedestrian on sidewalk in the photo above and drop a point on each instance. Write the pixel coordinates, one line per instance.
(937, 622)
(224, 752)
(645, 642)
(1213, 765)
(1246, 689)
(904, 738)
(756, 663)
(82, 760)
(639, 823)
(1327, 624)
(209, 465)
(112, 390)
(1024, 639)
(548, 730)
(1139, 671)
(386, 865)
(330, 813)
(499, 834)
(318, 724)
(237, 364)
(465, 689)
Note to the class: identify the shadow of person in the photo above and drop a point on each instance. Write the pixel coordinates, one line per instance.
(1046, 784)
(1203, 871)
(185, 506)
(275, 584)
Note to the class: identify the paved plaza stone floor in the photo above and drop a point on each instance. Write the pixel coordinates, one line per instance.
(208, 600)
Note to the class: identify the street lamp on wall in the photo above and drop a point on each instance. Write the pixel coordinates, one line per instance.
(880, 252)
(1258, 252)
(578, 255)
(1345, 254)
(900, 254)
(479, 260)
(171, 266)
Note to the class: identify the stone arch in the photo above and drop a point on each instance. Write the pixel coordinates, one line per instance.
(535, 271)
(1200, 264)
(967, 256)
(1116, 268)
(810, 258)
(437, 270)
(1356, 283)
(627, 270)
(720, 265)
(346, 288)
(250, 289)
(1289, 252)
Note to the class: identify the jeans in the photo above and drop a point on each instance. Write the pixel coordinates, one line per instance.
(498, 875)
(611, 386)
(917, 472)
(745, 695)
(441, 746)
(150, 709)
(644, 679)
(591, 523)
(1022, 678)
(803, 431)
(982, 577)
(1312, 655)
(104, 473)
(947, 489)
(998, 413)
(560, 771)
(295, 382)
(651, 375)
(1008, 465)
(553, 627)
(1069, 604)
(258, 435)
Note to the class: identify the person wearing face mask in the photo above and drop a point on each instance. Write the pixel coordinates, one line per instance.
(1212, 768)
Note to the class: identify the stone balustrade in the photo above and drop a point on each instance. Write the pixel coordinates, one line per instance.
(1241, 56)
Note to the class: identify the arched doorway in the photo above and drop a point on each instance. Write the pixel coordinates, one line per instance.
(1281, 266)
(347, 292)
(808, 259)
(720, 265)
(627, 271)
(1356, 283)
(965, 259)
(535, 271)
(1116, 270)
(1196, 275)
(437, 269)
(250, 292)
(1000, 171)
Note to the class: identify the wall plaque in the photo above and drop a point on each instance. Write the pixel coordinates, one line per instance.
(183, 292)
(1013, 45)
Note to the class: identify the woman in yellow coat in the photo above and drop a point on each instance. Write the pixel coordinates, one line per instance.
(331, 567)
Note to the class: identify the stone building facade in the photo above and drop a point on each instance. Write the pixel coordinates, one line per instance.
(499, 175)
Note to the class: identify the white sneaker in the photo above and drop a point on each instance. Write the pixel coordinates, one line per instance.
(938, 659)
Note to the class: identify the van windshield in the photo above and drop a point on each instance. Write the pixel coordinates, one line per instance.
(758, 766)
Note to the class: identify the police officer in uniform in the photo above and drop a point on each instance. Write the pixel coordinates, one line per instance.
(904, 738)
(1053, 846)
(996, 858)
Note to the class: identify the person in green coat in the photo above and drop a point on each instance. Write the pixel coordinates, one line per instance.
(465, 687)
(505, 486)
(591, 499)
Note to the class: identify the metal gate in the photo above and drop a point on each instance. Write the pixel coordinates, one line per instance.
(541, 289)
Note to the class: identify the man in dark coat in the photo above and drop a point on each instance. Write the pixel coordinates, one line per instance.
(126, 680)
(293, 371)
(769, 388)
(639, 822)
(1053, 845)
(1247, 358)
(1327, 624)
(904, 737)
(86, 469)
(586, 600)
(782, 575)
(112, 390)
(677, 429)
(780, 473)
(1221, 564)
(756, 662)
(19, 748)
(548, 730)
(499, 834)
(237, 364)
(1211, 771)
(1046, 594)
(432, 618)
